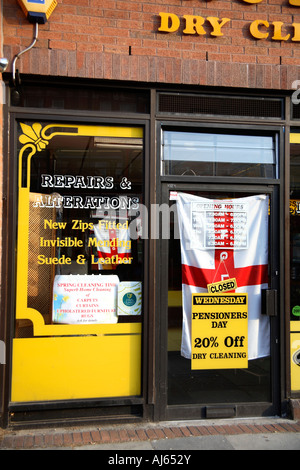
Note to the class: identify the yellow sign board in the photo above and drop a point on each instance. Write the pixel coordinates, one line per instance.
(222, 286)
(219, 331)
(215, 26)
(295, 361)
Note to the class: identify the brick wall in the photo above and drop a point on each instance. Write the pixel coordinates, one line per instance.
(115, 39)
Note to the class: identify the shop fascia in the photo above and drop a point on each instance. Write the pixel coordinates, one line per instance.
(259, 29)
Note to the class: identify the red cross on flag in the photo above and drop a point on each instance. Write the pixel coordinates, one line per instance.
(113, 243)
(225, 239)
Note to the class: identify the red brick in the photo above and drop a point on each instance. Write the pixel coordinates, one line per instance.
(77, 438)
(96, 436)
(132, 435)
(86, 437)
(160, 434)
(105, 436)
(114, 436)
(204, 430)
(211, 430)
(246, 429)
(232, 430)
(177, 432)
(270, 428)
(219, 429)
(151, 433)
(58, 439)
(48, 440)
(296, 426)
(68, 439)
(254, 429)
(7, 443)
(169, 433)
(39, 440)
(142, 435)
(288, 427)
(28, 442)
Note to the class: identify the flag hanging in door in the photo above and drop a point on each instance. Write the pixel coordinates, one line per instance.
(225, 239)
(113, 244)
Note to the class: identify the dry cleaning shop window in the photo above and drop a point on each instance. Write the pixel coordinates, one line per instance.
(80, 189)
(218, 154)
(295, 228)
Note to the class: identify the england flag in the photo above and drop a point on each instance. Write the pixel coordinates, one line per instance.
(224, 239)
(112, 243)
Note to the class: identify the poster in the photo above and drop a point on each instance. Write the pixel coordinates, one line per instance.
(219, 331)
(85, 299)
(225, 240)
(130, 298)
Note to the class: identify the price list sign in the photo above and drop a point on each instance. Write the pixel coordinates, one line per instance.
(219, 225)
(219, 331)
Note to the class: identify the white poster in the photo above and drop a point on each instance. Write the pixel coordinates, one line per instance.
(85, 299)
(130, 298)
(113, 243)
(225, 239)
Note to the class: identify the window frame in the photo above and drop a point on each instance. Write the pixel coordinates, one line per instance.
(210, 127)
(12, 222)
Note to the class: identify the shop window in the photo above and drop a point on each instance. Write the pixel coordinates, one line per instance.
(79, 261)
(295, 260)
(295, 230)
(218, 154)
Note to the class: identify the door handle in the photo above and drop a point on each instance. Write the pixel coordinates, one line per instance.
(269, 302)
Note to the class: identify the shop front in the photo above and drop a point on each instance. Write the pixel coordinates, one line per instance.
(147, 261)
(80, 271)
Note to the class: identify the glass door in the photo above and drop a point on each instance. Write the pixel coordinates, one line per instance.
(220, 271)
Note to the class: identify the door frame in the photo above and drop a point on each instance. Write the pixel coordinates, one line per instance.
(171, 412)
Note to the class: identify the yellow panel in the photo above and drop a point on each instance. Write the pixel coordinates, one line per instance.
(295, 326)
(295, 362)
(295, 138)
(40, 329)
(175, 298)
(174, 339)
(65, 368)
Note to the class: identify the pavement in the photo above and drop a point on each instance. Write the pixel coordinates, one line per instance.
(160, 439)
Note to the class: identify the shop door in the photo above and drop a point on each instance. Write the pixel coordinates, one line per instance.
(220, 358)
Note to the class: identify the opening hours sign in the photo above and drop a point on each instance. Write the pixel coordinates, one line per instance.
(219, 331)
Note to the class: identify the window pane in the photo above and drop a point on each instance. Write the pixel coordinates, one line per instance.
(79, 286)
(205, 154)
(84, 197)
